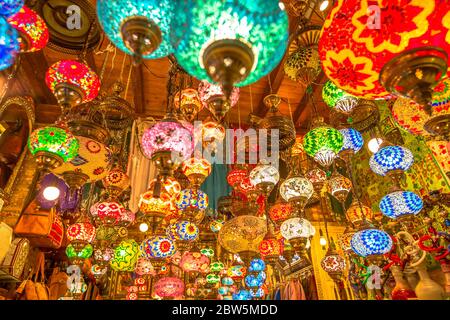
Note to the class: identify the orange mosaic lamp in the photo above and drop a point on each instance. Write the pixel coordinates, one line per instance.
(115, 182)
(196, 170)
(188, 102)
(357, 212)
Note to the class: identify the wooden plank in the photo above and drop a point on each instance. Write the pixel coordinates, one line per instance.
(138, 89)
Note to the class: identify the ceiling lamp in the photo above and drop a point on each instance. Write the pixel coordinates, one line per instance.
(140, 28)
(317, 177)
(400, 204)
(52, 146)
(264, 177)
(344, 241)
(33, 32)
(91, 164)
(371, 243)
(215, 100)
(394, 54)
(157, 249)
(194, 262)
(236, 45)
(80, 236)
(169, 185)
(243, 235)
(271, 249)
(254, 281)
(9, 44)
(323, 143)
(167, 143)
(374, 144)
(10, 7)
(184, 233)
(353, 142)
(155, 208)
(302, 63)
(339, 186)
(109, 212)
(72, 83)
(242, 294)
(333, 264)
(196, 170)
(103, 256)
(392, 161)
(297, 231)
(213, 134)
(280, 211)
(193, 203)
(126, 255)
(256, 265)
(188, 102)
(297, 191)
(169, 287)
(338, 99)
(115, 182)
(431, 119)
(144, 267)
(237, 272)
(357, 213)
(236, 175)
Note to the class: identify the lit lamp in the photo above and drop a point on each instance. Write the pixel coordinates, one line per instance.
(102, 256)
(169, 287)
(33, 32)
(194, 262)
(109, 213)
(196, 170)
(236, 175)
(333, 264)
(10, 44)
(126, 255)
(80, 236)
(215, 100)
(280, 211)
(297, 191)
(339, 187)
(10, 7)
(297, 231)
(317, 177)
(401, 204)
(167, 143)
(353, 142)
(188, 102)
(338, 99)
(271, 248)
(213, 133)
(116, 182)
(357, 213)
(184, 233)
(155, 209)
(138, 27)
(235, 46)
(390, 56)
(193, 204)
(72, 83)
(264, 177)
(371, 244)
(158, 249)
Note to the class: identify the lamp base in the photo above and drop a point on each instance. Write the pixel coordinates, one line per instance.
(47, 161)
(74, 179)
(141, 36)
(68, 95)
(439, 126)
(227, 62)
(414, 73)
(164, 163)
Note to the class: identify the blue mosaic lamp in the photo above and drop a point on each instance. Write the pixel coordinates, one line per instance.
(242, 294)
(234, 43)
(257, 265)
(391, 158)
(401, 203)
(140, 28)
(255, 280)
(10, 7)
(353, 140)
(9, 44)
(371, 242)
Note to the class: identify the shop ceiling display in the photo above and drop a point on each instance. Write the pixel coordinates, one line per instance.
(158, 193)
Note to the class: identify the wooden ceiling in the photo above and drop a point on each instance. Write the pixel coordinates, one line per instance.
(146, 83)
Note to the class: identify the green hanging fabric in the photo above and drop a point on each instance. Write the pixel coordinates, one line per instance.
(216, 184)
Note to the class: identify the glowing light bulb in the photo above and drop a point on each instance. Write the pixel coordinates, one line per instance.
(51, 193)
(324, 5)
(323, 241)
(374, 144)
(143, 227)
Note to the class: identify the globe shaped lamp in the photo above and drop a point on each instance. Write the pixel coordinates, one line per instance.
(52, 146)
(167, 143)
(256, 265)
(196, 170)
(155, 208)
(238, 43)
(264, 177)
(353, 142)
(188, 102)
(9, 44)
(297, 231)
(338, 99)
(169, 287)
(237, 272)
(139, 28)
(339, 186)
(109, 212)
(194, 262)
(215, 100)
(184, 233)
(333, 264)
(10, 7)
(357, 213)
(371, 243)
(323, 144)
(116, 182)
(297, 191)
(401, 204)
(72, 83)
(144, 267)
(81, 233)
(271, 249)
(280, 211)
(254, 281)
(212, 134)
(157, 249)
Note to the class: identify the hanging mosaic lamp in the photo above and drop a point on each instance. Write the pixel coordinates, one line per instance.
(317, 177)
(353, 142)
(169, 287)
(72, 82)
(196, 170)
(323, 143)
(9, 44)
(33, 32)
(155, 208)
(80, 236)
(297, 190)
(357, 213)
(432, 119)
(280, 211)
(140, 28)
(297, 231)
(392, 53)
(103, 256)
(184, 233)
(193, 203)
(338, 99)
(237, 44)
(271, 249)
(213, 134)
(391, 158)
(167, 143)
(242, 294)
(344, 241)
(115, 182)
(188, 102)
(257, 265)
(333, 264)
(109, 212)
(339, 186)
(10, 7)
(264, 177)
(371, 243)
(126, 255)
(52, 146)
(194, 262)
(144, 267)
(400, 204)
(170, 185)
(215, 100)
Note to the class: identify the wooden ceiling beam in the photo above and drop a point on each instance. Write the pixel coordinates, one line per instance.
(138, 89)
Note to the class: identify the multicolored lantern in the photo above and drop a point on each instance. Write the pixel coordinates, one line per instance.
(155, 206)
(116, 181)
(333, 264)
(256, 265)
(371, 242)
(158, 247)
(323, 143)
(358, 212)
(83, 232)
(391, 158)
(72, 82)
(214, 98)
(297, 228)
(280, 211)
(194, 262)
(192, 199)
(212, 278)
(138, 27)
(271, 247)
(188, 102)
(401, 203)
(126, 255)
(212, 133)
(103, 256)
(353, 140)
(216, 266)
(242, 294)
(196, 170)
(339, 186)
(237, 272)
(255, 281)
(183, 230)
(303, 65)
(264, 177)
(109, 213)
(297, 189)
(338, 99)
(144, 267)
(169, 287)
(33, 32)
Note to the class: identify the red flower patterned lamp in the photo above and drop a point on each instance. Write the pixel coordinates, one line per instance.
(33, 32)
(72, 82)
(372, 48)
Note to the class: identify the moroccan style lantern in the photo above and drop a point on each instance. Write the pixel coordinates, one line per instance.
(215, 100)
(72, 83)
(271, 249)
(333, 264)
(237, 272)
(188, 102)
(184, 234)
(155, 208)
(109, 212)
(297, 190)
(115, 182)
(392, 161)
(264, 177)
(297, 231)
(126, 255)
(169, 287)
(196, 170)
(369, 57)
(357, 213)
(157, 249)
(10, 7)
(52, 146)
(194, 262)
(400, 204)
(140, 28)
(144, 267)
(193, 203)
(353, 142)
(80, 235)
(371, 243)
(33, 32)
(213, 134)
(339, 186)
(338, 99)
(280, 211)
(9, 44)
(236, 45)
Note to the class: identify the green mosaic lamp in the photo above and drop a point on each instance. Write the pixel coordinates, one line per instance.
(52, 146)
(233, 43)
(337, 98)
